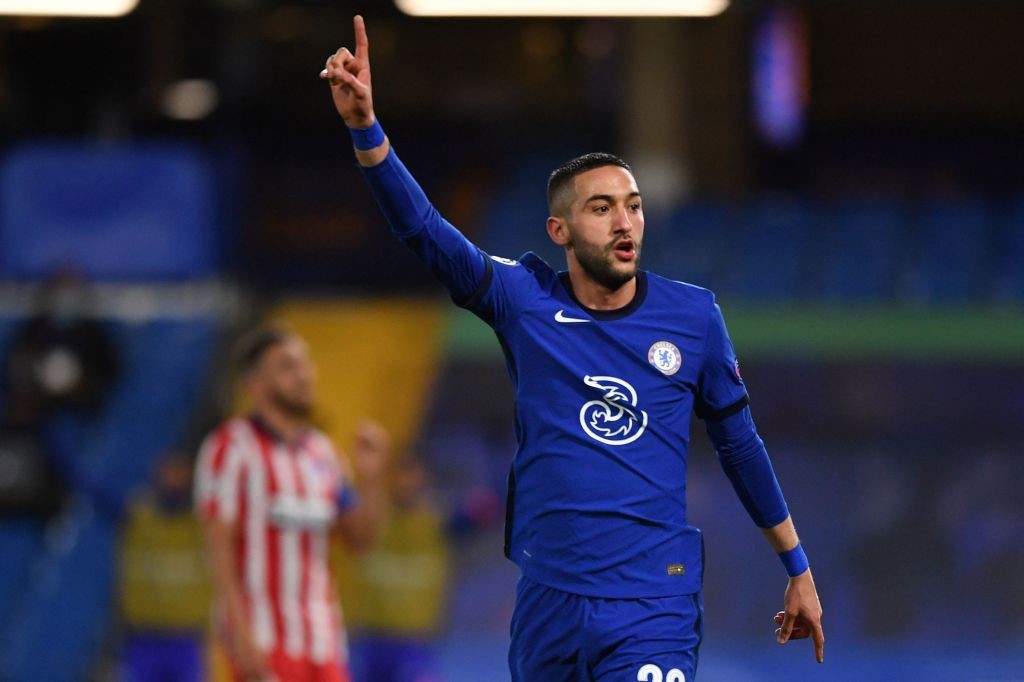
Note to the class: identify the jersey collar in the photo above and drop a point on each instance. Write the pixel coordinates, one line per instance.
(617, 313)
(261, 425)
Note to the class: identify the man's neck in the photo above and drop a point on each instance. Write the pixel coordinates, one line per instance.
(596, 296)
(283, 425)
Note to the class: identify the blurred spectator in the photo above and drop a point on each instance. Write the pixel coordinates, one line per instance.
(403, 581)
(165, 591)
(29, 483)
(61, 358)
(61, 361)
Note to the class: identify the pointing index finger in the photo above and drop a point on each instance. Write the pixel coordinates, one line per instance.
(362, 43)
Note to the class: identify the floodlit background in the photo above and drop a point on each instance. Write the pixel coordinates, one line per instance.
(848, 176)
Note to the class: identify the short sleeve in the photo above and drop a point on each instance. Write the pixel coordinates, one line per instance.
(343, 489)
(218, 477)
(720, 389)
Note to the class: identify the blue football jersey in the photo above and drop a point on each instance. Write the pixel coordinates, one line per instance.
(597, 490)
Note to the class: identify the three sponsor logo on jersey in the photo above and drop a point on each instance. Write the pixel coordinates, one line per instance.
(615, 418)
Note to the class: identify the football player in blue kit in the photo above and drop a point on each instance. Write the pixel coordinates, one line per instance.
(607, 363)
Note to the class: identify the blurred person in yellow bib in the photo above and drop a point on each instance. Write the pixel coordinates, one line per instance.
(402, 583)
(165, 589)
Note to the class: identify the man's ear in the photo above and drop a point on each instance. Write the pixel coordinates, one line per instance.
(558, 230)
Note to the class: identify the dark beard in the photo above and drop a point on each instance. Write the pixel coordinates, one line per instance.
(293, 408)
(597, 264)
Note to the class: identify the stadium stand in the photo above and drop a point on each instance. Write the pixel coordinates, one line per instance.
(944, 259)
(1008, 261)
(125, 215)
(937, 252)
(66, 597)
(860, 242)
(772, 266)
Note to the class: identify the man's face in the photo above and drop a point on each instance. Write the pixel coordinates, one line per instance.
(408, 482)
(286, 378)
(173, 480)
(606, 225)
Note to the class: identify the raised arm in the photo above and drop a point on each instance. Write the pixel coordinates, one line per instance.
(359, 523)
(459, 264)
(352, 92)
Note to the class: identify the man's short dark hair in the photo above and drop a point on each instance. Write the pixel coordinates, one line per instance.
(561, 178)
(254, 344)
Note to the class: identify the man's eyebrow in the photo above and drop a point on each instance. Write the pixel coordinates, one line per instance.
(608, 197)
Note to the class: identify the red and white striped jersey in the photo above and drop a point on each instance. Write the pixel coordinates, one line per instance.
(284, 498)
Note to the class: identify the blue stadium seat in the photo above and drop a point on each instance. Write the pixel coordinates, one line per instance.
(857, 249)
(141, 423)
(945, 257)
(20, 541)
(56, 628)
(693, 245)
(1006, 266)
(518, 213)
(770, 258)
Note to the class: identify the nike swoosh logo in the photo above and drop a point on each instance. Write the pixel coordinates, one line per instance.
(560, 317)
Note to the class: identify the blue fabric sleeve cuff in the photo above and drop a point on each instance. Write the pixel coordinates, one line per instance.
(795, 561)
(347, 498)
(365, 139)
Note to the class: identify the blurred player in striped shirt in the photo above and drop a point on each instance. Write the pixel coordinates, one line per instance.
(269, 488)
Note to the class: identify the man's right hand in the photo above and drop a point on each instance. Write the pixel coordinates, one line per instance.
(349, 76)
(252, 664)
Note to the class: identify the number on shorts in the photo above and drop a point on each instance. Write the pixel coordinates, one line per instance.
(652, 673)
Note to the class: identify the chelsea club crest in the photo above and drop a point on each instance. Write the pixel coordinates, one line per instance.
(665, 357)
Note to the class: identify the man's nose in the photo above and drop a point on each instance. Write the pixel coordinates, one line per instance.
(623, 221)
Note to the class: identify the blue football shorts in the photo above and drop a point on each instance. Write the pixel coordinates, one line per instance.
(563, 637)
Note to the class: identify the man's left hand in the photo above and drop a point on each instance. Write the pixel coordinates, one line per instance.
(370, 454)
(802, 615)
